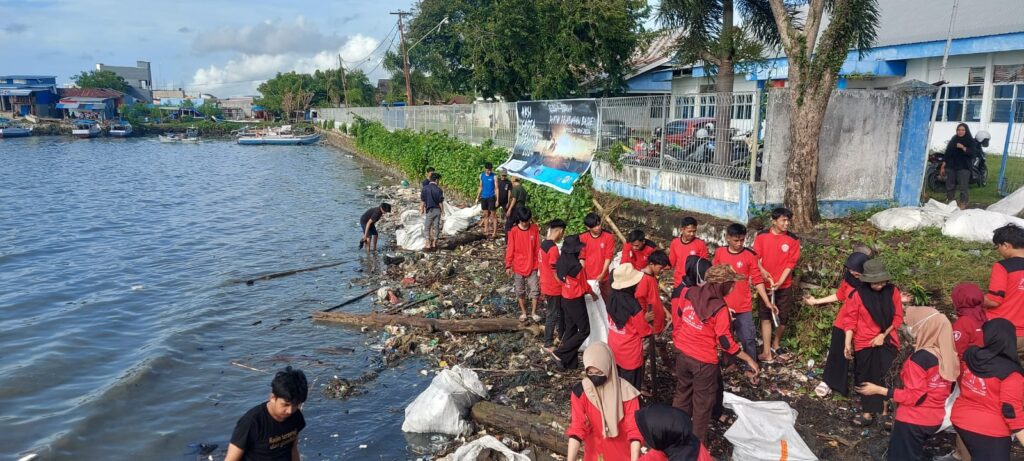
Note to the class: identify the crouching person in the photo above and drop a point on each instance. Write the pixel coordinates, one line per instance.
(270, 430)
(668, 434)
(603, 409)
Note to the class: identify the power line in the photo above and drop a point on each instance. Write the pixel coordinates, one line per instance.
(391, 45)
(368, 56)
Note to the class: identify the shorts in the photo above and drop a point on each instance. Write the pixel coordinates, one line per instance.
(373, 229)
(523, 283)
(785, 300)
(488, 204)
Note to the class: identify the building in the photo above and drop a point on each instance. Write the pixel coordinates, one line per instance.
(90, 103)
(239, 108)
(984, 72)
(29, 95)
(139, 78)
(161, 94)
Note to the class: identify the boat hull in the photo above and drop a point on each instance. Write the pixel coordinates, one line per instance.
(279, 140)
(15, 132)
(121, 133)
(85, 134)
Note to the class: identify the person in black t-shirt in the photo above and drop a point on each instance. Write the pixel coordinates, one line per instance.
(368, 222)
(270, 431)
(504, 186)
(426, 177)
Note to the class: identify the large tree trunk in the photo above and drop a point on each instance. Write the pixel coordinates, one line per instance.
(723, 112)
(806, 114)
(544, 430)
(455, 326)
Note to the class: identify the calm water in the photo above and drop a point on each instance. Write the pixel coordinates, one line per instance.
(118, 316)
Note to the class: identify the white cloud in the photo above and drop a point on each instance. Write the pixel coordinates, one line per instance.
(267, 37)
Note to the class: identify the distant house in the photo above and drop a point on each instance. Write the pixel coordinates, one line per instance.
(139, 78)
(29, 95)
(90, 103)
(240, 108)
(161, 94)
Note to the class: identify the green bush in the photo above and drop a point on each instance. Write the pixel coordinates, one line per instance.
(460, 165)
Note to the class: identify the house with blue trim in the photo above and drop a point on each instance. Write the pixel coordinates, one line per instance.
(23, 95)
(984, 72)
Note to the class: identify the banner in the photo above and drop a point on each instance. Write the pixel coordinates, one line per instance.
(555, 142)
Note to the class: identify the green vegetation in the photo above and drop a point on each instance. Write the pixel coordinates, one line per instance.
(288, 92)
(988, 194)
(100, 79)
(460, 165)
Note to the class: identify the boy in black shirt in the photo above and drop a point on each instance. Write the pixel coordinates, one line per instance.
(270, 430)
(368, 222)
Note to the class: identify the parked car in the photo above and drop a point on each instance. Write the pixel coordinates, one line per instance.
(681, 132)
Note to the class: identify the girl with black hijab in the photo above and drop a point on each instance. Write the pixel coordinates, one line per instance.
(989, 410)
(574, 287)
(875, 311)
(957, 163)
(836, 373)
(627, 324)
(668, 433)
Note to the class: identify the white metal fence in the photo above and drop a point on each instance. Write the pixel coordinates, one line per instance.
(678, 133)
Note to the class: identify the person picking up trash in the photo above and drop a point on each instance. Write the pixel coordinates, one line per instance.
(637, 249)
(627, 325)
(431, 200)
(569, 272)
(270, 431)
(550, 288)
(778, 251)
(368, 222)
(743, 260)
(668, 434)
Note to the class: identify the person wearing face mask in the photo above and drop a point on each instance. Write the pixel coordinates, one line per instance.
(701, 326)
(837, 368)
(603, 411)
(927, 378)
(668, 434)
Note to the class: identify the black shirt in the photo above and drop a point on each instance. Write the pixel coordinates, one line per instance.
(957, 159)
(519, 193)
(504, 186)
(373, 213)
(431, 196)
(264, 439)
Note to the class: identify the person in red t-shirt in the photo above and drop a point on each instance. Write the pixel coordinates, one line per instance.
(685, 246)
(989, 410)
(598, 252)
(522, 253)
(637, 249)
(550, 287)
(779, 251)
(1005, 297)
(836, 375)
(744, 261)
(927, 378)
(970, 316)
(668, 434)
(875, 313)
(627, 325)
(603, 408)
(569, 272)
(701, 326)
(648, 294)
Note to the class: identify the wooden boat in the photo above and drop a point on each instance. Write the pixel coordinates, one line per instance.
(7, 130)
(191, 136)
(85, 129)
(120, 128)
(282, 136)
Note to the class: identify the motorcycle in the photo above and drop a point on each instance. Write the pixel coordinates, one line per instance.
(935, 177)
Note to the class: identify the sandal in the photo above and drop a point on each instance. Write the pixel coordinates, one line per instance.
(536, 318)
(522, 318)
(861, 421)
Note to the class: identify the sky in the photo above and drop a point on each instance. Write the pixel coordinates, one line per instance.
(222, 47)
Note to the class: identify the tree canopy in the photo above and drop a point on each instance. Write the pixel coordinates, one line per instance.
(100, 79)
(325, 87)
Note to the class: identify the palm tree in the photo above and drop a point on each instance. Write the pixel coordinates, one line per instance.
(711, 34)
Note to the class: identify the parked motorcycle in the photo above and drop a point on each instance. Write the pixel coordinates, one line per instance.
(935, 177)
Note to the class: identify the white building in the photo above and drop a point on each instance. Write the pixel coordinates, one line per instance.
(984, 72)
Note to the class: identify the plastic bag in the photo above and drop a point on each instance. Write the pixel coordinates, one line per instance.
(472, 450)
(443, 407)
(1012, 205)
(946, 423)
(458, 219)
(410, 235)
(977, 225)
(764, 431)
(597, 313)
(933, 214)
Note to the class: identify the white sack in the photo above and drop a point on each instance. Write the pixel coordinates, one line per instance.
(598, 316)
(764, 431)
(946, 423)
(471, 451)
(458, 219)
(410, 235)
(1011, 205)
(443, 407)
(977, 225)
(933, 214)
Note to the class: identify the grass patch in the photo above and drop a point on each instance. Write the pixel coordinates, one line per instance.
(985, 196)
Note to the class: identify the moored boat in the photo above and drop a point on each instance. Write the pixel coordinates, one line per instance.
(191, 136)
(279, 140)
(8, 130)
(85, 129)
(120, 128)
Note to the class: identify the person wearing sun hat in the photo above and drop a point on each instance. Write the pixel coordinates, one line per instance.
(875, 313)
(702, 326)
(627, 325)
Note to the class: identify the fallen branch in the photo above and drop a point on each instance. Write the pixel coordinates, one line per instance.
(608, 218)
(247, 367)
(543, 430)
(406, 305)
(461, 239)
(292, 272)
(455, 326)
(350, 301)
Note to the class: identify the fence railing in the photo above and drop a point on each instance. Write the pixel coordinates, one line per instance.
(691, 134)
(1011, 171)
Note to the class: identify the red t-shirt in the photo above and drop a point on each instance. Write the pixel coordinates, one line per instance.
(679, 251)
(638, 258)
(842, 320)
(922, 399)
(967, 333)
(627, 343)
(989, 406)
(701, 340)
(744, 263)
(864, 327)
(1006, 287)
(596, 250)
(647, 295)
(655, 455)
(549, 284)
(778, 252)
(585, 425)
(575, 287)
(523, 250)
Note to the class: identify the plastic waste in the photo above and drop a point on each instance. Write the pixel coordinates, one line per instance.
(442, 408)
(1012, 204)
(946, 423)
(598, 314)
(458, 219)
(410, 235)
(977, 225)
(932, 214)
(498, 451)
(764, 431)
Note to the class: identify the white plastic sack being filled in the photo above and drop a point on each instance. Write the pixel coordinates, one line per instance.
(458, 219)
(932, 214)
(442, 408)
(472, 451)
(410, 235)
(977, 225)
(764, 431)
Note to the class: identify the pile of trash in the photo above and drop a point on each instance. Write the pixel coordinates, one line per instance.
(974, 225)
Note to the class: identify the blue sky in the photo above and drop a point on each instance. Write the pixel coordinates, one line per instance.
(222, 47)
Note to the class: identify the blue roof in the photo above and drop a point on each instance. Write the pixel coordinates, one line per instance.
(27, 77)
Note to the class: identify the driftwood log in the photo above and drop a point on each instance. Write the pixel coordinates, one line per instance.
(543, 430)
(462, 238)
(455, 326)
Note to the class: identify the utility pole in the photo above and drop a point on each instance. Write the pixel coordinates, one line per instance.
(405, 57)
(344, 81)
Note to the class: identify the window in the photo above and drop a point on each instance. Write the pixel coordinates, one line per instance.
(707, 105)
(684, 106)
(1008, 87)
(959, 103)
(742, 106)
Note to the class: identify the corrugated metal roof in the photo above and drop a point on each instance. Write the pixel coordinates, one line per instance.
(80, 99)
(104, 93)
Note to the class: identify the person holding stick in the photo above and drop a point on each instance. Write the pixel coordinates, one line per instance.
(778, 251)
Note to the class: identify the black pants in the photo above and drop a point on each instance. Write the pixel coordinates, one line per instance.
(635, 377)
(907, 441)
(983, 447)
(577, 329)
(871, 365)
(957, 179)
(837, 368)
(553, 320)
